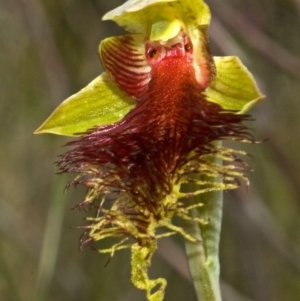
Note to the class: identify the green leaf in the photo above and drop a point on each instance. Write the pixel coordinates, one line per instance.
(100, 102)
(234, 87)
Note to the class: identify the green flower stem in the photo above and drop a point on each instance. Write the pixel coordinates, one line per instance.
(203, 256)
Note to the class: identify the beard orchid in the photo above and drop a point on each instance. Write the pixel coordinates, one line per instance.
(148, 129)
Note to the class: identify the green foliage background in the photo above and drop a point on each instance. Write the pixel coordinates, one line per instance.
(48, 50)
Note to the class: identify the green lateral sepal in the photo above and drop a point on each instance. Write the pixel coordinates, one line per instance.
(101, 102)
(234, 87)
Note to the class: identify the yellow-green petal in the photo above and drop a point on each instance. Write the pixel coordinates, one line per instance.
(137, 16)
(100, 102)
(203, 62)
(234, 87)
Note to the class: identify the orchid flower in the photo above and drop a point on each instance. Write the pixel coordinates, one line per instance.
(149, 126)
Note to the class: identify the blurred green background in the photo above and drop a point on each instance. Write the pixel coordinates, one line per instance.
(48, 51)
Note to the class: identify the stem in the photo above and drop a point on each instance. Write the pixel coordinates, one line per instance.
(203, 257)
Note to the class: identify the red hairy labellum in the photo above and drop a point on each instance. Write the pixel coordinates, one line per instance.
(150, 145)
(165, 137)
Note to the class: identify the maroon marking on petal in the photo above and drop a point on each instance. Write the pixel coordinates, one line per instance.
(125, 61)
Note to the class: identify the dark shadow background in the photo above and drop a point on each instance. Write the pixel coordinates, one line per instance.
(48, 51)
